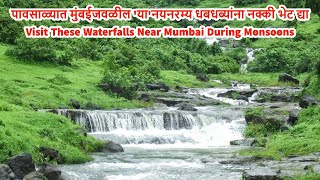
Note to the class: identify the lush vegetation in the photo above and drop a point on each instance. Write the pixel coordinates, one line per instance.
(22, 131)
(47, 73)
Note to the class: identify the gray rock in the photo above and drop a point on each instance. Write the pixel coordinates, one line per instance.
(114, 147)
(261, 173)
(186, 107)
(293, 116)
(158, 86)
(35, 176)
(75, 104)
(288, 78)
(21, 165)
(50, 172)
(6, 173)
(52, 154)
(307, 101)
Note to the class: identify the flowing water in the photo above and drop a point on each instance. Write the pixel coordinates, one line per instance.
(163, 143)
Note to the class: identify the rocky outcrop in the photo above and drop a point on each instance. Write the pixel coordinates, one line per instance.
(238, 94)
(21, 165)
(52, 154)
(307, 101)
(173, 98)
(293, 116)
(202, 77)
(288, 79)
(6, 173)
(186, 107)
(50, 172)
(158, 86)
(261, 173)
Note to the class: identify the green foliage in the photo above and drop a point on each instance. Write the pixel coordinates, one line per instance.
(292, 3)
(10, 30)
(59, 79)
(246, 2)
(43, 129)
(238, 54)
(39, 50)
(314, 5)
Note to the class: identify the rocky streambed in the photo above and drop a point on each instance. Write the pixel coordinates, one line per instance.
(191, 134)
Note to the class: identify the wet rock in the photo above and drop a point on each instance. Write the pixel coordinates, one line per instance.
(105, 87)
(307, 101)
(306, 158)
(281, 98)
(158, 86)
(244, 160)
(75, 104)
(316, 168)
(114, 147)
(6, 173)
(202, 77)
(50, 172)
(52, 154)
(35, 176)
(186, 107)
(239, 95)
(293, 116)
(288, 78)
(244, 142)
(182, 89)
(261, 173)
(160, 105)
(21, 165)
(144, 97)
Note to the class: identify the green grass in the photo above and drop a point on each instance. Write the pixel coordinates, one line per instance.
(22, 131)
(260, 79)
(32, 85)
(303, 138)
(174, 78)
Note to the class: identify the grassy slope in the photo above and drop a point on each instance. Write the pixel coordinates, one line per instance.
(23, 131)
(36, 85)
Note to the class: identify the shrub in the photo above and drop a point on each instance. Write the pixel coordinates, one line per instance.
(10, 30)
(39, 50)
(246, 2)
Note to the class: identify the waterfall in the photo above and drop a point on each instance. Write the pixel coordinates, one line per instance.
(208, 125)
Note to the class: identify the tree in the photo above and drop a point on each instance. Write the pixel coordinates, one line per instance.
(314, 5)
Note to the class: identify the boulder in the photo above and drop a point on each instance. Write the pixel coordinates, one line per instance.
(307, 101)
(158, 86)
(75, 104)
(202, 77)
(144, 97)
(35, 176)
(52, 154)
(288, 78)
(114, 147)
(186, 107)
(50, 172)
(6, 173)
(293, 116)
(21, 165)
(261, 173)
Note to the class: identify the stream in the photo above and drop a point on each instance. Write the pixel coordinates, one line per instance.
(164, 143)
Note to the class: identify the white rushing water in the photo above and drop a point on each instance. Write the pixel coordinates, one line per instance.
(163, 143)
